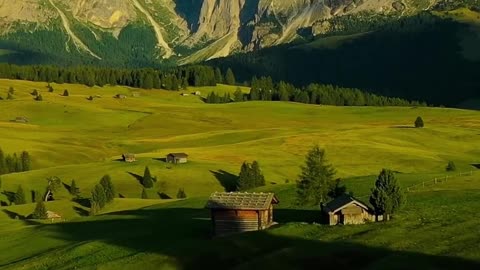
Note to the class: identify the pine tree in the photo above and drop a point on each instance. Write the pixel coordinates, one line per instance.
(50, 88)
(40, 211)
(34, 93)
(3, 165)
(11, 90)
(74, 190)
(238, 95)
(337, 189)
(313, 184)
(19, 197)
(245, 179)
(65, 93)
(94, 208)
(259, 179)
(109, 188)
(98, 196)
(17, 163)
(9, 164)
(451, 166)
(218, 76)
(229, 77)
(147, 178)
(10, 96)
(181, 194)
(39, 98)
(386, 196)
(419, 122)
(144, 194)
(26, 162)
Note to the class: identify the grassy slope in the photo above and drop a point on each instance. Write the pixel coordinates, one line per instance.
(71, 137)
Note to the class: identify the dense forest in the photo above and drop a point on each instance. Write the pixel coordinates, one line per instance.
(416, 58)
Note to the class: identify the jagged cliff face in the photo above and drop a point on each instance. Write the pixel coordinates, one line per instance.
(210, 28)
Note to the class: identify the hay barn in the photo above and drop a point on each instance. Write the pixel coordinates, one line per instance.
(177, 158)
(237, 212)
(129, 157)
(347, 210)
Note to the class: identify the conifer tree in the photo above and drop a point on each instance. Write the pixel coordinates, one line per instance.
(94, 208)
(257, 175)
(19, 197)
(109, 188)
(3, 165)
(40, 211)
(53, 184)
(238, 95)
(218, 76)
(314, 182)
(147, 180)
(451, 166)
(65, 93)
(181, 194)
(10, 96)
(386, 197)
(34, 93)
(17, 163)
(39, 98)
(11, 90)
(229, 77)
(98, 196)
(9, 164)
(74, 190)
(25, 161)
(245, 178)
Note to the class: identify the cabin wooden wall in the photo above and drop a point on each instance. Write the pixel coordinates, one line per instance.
(236, 221)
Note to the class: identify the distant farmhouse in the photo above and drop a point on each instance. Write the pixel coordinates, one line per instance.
(347, 210)
(120, 96)
(129, 157)
(237, 212)
(177, 158)
(21, 119)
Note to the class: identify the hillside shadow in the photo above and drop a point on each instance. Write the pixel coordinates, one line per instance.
(164, 160)
(85, 202)
(402, 126)
(13, 215)
(80, 211)
(294, 215)
(183, 236)
(9, 195)
(228, 180)
(138, 177)
(163, 196)
(189, 10)
(477, 166)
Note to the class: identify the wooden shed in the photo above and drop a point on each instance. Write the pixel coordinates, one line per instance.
(177, 158)
(120, 96)
(21, 119)
(237, 212)
(347, 210)
(128, 157)
(53, 216)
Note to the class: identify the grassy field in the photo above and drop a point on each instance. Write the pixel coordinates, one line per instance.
(74, 138)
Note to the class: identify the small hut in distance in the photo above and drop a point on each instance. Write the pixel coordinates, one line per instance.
(347, 210)
(21, 119)
(128, 157)
(177, 158)
(237, 212)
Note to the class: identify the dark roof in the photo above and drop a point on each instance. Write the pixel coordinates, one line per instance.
(128, 155)
(178, 155)
(241, 200)
(341, 202)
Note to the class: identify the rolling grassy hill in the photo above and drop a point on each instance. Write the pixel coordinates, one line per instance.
(74, 138)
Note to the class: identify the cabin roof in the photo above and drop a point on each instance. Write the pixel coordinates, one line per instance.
(51, 215)
(342, 202)
(128, 155)
(178, 155)
(241, 200)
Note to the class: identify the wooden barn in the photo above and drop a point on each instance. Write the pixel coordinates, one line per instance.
(347, 210)
(129, 157)
(237, 212)
(177, 158)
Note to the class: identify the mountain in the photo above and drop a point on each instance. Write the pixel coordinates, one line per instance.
(151, 32)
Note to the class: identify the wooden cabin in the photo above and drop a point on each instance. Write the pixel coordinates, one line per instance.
(120, 96)
(177, 158)
(21, 119)
(53, 216)
(347, 210)
(129, 157)
(237, 212)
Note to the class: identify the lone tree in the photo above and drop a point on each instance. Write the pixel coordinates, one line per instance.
(387, 196)
(19, 197)
(39, 98)
(147, 180)
(419, 122)
(451, 166)
(181, 194)
(65, 93)
(74, 190)
(315, 181)
(40, 211)
(109, 188)
(50, 88)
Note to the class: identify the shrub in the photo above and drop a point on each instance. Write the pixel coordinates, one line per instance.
(65, 93)
(40, 211)
(419, 122)
(451, 166)
(19, 196)
(39, 98)
(181, 194)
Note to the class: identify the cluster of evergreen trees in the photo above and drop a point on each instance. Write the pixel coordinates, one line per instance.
(102, 194)
(217, 98)
(147, 78)
(250, 176)
(14, 163)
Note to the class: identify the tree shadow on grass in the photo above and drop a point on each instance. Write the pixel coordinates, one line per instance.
(164, 160)
(182, 236)
(477, 166)
(80, 211)
(403, 126)
(85, 202)
(9, 195)
(13, 215)
(228, 180)
(137, 176)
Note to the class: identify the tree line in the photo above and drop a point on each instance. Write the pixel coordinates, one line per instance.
(266, 90)
(14, 163)
(146, 78)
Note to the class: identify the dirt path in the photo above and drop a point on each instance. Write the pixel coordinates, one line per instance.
(76, 41)
(161, 41)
